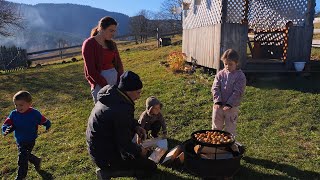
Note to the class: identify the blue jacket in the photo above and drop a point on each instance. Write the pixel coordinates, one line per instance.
(25, 125)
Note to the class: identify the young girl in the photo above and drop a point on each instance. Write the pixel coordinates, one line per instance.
(227, 90)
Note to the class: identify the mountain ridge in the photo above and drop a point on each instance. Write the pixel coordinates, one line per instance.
(48, 23)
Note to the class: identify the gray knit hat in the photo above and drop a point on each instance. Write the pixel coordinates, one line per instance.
(152, 101)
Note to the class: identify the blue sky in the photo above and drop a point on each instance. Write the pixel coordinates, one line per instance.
(129, 7)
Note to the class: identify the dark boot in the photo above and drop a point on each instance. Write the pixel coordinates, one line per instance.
(101, 175)
(35, 161)
(37, 165)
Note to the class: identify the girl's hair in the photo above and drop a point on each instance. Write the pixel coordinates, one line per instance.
(22, 95)
(104, 23)
(230, 55)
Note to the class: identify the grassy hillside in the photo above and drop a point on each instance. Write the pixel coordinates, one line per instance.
(278, 123)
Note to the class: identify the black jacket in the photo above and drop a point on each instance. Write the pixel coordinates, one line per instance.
(111, 127)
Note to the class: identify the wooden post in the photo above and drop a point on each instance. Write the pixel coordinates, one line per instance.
(246, 12)
(224, 11)
(158, 37)
(310, 12)
(309, 28)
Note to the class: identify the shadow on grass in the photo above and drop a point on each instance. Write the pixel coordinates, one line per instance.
(165, 175)
(45, 175)
(290, 171)
(307, 83)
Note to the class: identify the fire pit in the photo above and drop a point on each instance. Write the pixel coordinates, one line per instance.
(213, 167)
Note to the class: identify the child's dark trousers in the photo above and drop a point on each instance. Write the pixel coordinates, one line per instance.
(154, 127)
(25, 155)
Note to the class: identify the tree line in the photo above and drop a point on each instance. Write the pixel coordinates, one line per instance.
(147, 23)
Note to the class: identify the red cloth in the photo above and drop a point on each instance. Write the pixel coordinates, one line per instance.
(93, 55)
(108, 58)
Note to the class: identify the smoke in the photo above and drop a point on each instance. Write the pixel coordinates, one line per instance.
(32, 16)
(31, 20)
(37, 34)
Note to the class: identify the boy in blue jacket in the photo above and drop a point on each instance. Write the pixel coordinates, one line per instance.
(24, 121)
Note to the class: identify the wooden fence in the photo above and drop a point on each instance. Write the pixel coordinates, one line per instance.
(54, 53)
(12, 58)
(16, 58)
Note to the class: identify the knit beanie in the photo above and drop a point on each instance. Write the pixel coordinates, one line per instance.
(152, 101)
(130, 81)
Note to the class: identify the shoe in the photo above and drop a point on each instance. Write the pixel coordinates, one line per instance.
(101, 175)
(37, 166)
(19, 178)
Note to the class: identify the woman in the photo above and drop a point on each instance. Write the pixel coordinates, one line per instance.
(102, 63)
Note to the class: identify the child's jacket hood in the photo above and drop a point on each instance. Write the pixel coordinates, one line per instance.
(152, 101)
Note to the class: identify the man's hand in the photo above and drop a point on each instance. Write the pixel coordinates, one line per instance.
(141, 132)
(226, 108)
(143, 152)
(7, 130)
(216, 106)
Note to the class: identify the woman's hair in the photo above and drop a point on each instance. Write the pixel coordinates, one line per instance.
(230, 55)
(104, 23)
(22, 95)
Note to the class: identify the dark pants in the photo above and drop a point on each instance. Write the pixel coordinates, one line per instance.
(25, 155)
(139, 167)
(154, 127)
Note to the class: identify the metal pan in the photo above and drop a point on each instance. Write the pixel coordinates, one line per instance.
(194, 139)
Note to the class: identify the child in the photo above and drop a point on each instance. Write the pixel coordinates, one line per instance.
(227, 90)
(152, 119)
(24, 121)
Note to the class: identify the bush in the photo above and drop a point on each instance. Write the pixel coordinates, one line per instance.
(29, 62)
(74, 59)
(176, 61)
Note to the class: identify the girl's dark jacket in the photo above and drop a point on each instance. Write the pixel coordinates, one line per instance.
(111, 127)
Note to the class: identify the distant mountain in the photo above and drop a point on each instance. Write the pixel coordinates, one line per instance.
(46, 24)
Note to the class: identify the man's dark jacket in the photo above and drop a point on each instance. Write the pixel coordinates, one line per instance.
(111, 127)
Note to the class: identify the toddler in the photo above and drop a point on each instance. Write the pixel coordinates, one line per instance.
(24, 121)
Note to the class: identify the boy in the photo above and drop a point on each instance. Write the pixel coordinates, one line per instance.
(152, 119)
(24, 121)
(227, 90)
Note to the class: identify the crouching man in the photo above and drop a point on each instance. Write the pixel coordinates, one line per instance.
(111, 128)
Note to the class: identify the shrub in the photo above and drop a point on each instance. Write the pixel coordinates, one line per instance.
(74, 59)
(29, 62)
(176, 60)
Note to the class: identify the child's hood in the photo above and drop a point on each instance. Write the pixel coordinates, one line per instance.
(152, 101)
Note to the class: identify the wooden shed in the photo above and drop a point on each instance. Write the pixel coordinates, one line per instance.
(280, 31)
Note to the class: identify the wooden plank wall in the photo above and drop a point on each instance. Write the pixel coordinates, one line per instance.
(235, 36)
(299, 45)
(300, 39)
(203, 44)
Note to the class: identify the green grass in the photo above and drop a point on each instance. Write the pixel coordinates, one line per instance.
(316, 36)
(316, 25)
(279, 121)
(315, 53)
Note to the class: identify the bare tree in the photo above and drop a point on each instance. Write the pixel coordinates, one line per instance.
(139, 26)
(9, 17)
(61, 44)
(168, 12)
